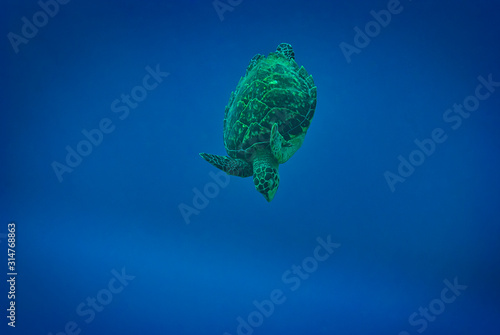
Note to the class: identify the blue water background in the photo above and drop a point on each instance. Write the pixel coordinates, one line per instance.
(119, 208)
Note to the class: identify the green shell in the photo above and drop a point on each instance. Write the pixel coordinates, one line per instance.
(275, 89)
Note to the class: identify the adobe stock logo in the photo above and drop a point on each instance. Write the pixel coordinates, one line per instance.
(293, 278)
(435, 307)
(96, 304)
(228, 6)
(94, 137)
(29, 29)
(201, 197)
(372, 29)
(427, 146)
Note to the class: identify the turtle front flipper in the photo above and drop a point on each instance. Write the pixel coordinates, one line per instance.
(232, 166)
(282, 149)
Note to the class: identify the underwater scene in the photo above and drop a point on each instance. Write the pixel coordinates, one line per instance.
(237, 167)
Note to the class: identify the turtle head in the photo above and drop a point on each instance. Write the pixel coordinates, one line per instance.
(265, 176)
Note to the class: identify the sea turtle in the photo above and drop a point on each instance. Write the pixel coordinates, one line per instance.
(266, 119)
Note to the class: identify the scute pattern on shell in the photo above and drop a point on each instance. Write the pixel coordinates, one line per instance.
(274, 90)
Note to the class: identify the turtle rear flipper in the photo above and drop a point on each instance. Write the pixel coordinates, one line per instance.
(232, 166)
(282, 149)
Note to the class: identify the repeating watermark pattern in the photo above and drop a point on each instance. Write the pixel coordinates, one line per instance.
(201, 198)
(222, 6)
(95, 304)
(435, 307)
(293, 279)
(452, 116)
(30, 29)
(372, 29)
(94, 137)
